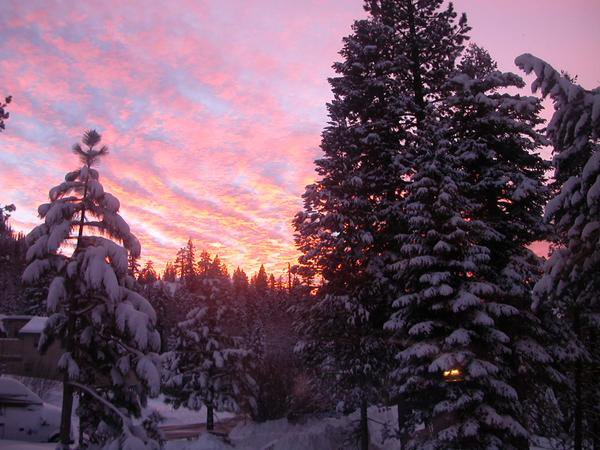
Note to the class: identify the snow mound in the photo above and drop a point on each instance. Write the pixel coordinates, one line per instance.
(204, 442)
(282, 435)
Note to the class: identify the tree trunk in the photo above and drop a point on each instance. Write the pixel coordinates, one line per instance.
(210, 422)
(418, 89)
(164, 341)
(578, 414)
(67, 411)
(364, 426)
(67, 402)
(400, 410)
(578, 439)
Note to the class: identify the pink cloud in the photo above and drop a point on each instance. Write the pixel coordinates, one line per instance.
(212, 110)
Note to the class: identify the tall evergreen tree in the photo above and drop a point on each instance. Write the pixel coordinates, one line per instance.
(260, 281)
(394, 64)
(107, 329)
(498, 178)
(204, 263)
(185, 263)
(568, 291)
(493, 135)
(240, 286)
(450, 374)
(462, 318)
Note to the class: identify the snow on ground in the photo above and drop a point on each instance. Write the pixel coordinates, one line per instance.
(182, 415)
(315, 434)
(330, 433)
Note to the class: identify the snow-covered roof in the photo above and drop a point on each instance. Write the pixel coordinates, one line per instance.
(11, 391)
(34, 326)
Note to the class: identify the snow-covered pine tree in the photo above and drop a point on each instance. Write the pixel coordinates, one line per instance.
(266, 325)
(256, 312)
(568, 291)
(452, 372)
(493, 135)
(165, 306)
(247, 302)
(107, 330)
(208, 366)
(395, 62)
(465, 272)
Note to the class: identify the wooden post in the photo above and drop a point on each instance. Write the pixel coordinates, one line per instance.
(210, 421)
(364, 426)
(400, 411)
(65, 417)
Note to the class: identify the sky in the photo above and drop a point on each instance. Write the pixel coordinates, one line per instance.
(212, 109)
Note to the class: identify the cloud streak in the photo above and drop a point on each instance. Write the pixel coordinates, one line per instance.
(212, 111)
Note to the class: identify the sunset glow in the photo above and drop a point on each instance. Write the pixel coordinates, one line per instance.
(212, 110)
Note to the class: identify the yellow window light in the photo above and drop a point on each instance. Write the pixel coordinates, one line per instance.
(453, 375)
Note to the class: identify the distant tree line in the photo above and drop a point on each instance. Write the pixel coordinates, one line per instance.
(255, 319)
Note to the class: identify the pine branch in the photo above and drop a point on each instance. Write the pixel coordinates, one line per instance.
(122, 344)
(124, 419)
(86, 309)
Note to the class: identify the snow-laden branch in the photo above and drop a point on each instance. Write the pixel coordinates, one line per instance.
(125, 420)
